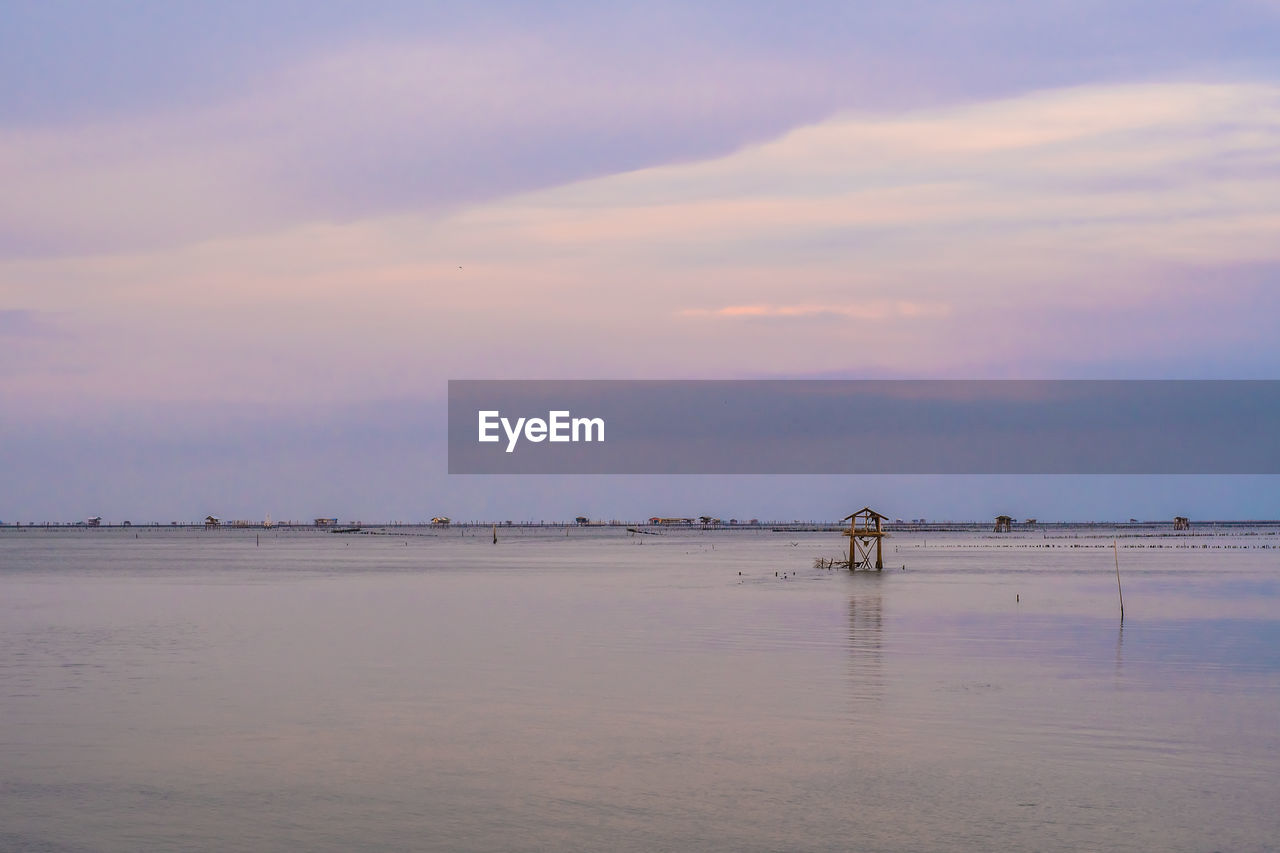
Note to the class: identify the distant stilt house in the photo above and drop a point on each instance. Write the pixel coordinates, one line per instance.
(1030, 522)
(1181, 522)
(1004, 524)
(440, 519)
(866, 530)
(212, 521)
(95, 521)
(326, 522)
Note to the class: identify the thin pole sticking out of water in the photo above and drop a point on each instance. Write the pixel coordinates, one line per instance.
(495, 534)
(1115, 544)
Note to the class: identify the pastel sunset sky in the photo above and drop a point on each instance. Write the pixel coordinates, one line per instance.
(243, 246)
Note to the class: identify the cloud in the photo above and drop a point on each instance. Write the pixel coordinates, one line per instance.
(377, 127)
(22, 323)
(872, 310)
(1113, 170)
(144, 131)
(1068, 227)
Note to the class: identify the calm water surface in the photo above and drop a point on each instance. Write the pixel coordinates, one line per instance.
(599, 691)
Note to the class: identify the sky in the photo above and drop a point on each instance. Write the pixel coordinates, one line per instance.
(244, 246)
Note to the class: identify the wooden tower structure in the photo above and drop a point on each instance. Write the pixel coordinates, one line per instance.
(1181, 522)
(866, 530)
(1004, 524)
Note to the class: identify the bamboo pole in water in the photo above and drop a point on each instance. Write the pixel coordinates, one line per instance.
(1116, 545)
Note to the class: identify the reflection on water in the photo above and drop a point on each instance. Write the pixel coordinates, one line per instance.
(1120, 649)
(703, 692)
(866, 659)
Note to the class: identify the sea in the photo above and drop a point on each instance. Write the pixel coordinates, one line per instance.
(595, 689)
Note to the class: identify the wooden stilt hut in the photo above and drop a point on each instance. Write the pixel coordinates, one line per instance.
(866, 530)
